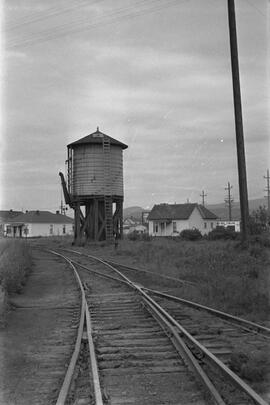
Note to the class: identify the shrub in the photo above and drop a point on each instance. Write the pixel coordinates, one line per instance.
(146, 237)
(133, 236)
(255, 228)
(262, 240)
(191, 234)
(256, 251)
(222, 233)
(15, 265)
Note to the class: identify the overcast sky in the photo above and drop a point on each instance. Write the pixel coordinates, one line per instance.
(153, 74)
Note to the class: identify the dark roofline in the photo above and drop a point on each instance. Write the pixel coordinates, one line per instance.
(96, 138)
(38, 216)
(7, 214)
(205, 213)
(182, 212)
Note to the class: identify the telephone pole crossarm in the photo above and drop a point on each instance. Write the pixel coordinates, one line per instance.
(203, 195)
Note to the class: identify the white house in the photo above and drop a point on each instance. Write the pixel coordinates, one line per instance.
(5, 217)
(39, 223)
(171, 219)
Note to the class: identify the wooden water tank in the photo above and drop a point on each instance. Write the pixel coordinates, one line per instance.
(95, 167)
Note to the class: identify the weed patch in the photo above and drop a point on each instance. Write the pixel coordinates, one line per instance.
(229, 278)
(15, 265)
(252, 367)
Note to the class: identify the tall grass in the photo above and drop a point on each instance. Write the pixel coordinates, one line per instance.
(15, 264)
(228, 277)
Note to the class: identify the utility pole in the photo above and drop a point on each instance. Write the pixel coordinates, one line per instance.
(242, 178)
(203, 195)
(229, 200)
(267, 189)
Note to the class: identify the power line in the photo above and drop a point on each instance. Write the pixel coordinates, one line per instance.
(98, 22)
(58, 29)
(256, 8)
(50, 13)
(107, 19)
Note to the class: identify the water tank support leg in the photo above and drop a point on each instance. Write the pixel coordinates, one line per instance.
(77, 230)
(96, 219)
(85, 224)
(118, 219)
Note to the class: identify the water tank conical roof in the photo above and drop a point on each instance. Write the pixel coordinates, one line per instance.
(97, 138)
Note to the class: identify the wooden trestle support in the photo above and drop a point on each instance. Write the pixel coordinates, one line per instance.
(99, 222)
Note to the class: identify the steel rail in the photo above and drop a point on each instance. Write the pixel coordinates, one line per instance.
(151, 272)
(61, 400)
(99, 273)
(245, 324)
(210, 357)
(181, 281)
(94, 366)
(177, 341)
(186, 353)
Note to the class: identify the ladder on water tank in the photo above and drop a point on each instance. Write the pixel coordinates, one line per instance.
(108, 217)
(107, 188)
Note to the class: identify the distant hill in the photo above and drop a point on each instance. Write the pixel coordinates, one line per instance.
(133, 212)
(221, 210)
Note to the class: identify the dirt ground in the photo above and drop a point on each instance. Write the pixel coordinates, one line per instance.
(35, 345)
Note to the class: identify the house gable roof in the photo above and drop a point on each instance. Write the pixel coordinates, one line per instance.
(4, 215)
(178, 212)
(97, 138)
(41, 217)
(205, 213)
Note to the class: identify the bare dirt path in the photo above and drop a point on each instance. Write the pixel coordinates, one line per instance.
(36, 344)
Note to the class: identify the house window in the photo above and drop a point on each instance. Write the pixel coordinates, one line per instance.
(174, 227)
(8, 230)
(155, 227)
(64, 229)
(212, 225)
(51, 229)
(205, 225)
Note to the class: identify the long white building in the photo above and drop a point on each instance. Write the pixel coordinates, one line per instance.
(38, 223)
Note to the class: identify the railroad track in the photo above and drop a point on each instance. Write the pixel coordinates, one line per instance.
(140, 353)
(136, 275)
